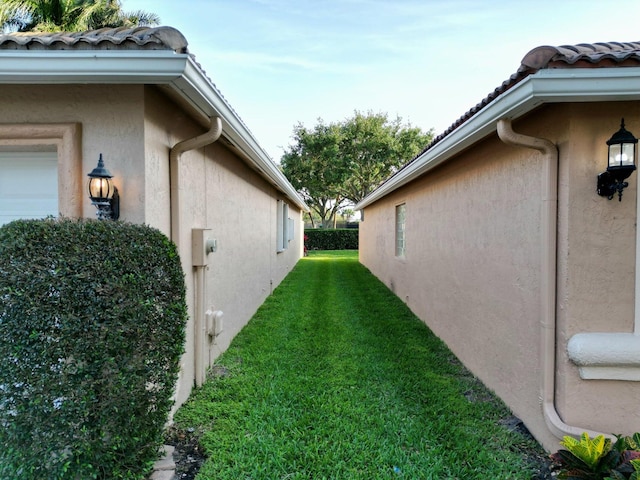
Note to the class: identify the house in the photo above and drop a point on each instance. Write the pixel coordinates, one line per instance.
(496, 238)
(181, 159)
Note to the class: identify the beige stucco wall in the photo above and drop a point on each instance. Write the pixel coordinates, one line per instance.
(111, 123)
(596, 268)
(134, 127)
(220, 193)
(472, 267)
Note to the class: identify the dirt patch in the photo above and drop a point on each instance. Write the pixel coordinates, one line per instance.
(188, 455)
(536, 457)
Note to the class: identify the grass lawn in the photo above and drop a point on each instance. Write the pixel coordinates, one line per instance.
(335, 378)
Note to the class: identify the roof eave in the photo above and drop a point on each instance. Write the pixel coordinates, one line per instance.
(545, 86)
(200, 92)
(158, 67)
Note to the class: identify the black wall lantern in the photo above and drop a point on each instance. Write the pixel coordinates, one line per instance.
(622, 163)
(103, 193)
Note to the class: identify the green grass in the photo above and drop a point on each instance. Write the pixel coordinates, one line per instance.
(335, 378)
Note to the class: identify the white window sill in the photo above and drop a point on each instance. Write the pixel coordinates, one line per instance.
(606, 356)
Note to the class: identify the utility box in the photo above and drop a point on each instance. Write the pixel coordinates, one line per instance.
(201, 246)
(214, 322)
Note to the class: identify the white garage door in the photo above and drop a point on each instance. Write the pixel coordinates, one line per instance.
(28, 185)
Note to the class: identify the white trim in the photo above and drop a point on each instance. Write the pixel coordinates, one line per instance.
(66, 138)
(606, 356)
(138, 67)
(546, 86)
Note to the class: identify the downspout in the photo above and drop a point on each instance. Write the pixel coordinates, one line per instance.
(207, 138)
(548, 274)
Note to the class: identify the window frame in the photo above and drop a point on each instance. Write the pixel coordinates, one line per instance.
(284, 226)
(400, 230)
(66, 138)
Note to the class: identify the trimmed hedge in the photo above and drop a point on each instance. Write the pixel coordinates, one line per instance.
(92, 320)
(338, 239)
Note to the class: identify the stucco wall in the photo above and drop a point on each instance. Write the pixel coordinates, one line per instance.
(596, 266)
(220, 193)
(472, 267)
(134, 127)
(111, 121)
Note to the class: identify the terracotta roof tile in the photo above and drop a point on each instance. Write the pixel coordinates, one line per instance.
(584, 55)
(122, 38)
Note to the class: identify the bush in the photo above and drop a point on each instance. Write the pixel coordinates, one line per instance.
(598, 458)
(340, 239)
(92, 318)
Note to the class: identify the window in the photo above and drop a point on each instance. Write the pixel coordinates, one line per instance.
(284, 227)
(400, 230)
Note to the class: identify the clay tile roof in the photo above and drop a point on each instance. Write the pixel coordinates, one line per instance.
(584, 55)
(122, 38)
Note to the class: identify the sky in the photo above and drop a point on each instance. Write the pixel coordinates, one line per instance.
(283, 62)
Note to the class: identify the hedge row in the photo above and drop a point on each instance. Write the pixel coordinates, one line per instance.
(92, 320)
(340, 239)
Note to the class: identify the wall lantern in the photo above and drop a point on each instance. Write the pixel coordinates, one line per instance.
(102, 192)
(622, 163)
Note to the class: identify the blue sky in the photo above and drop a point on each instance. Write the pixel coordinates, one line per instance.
(280, 62)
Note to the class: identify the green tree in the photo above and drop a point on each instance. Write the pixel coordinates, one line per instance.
(339, 164)
(68, 15)
(372, 148)
(311, 166)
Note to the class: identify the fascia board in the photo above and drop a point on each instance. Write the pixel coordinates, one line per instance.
(546, 86)
(90, 67)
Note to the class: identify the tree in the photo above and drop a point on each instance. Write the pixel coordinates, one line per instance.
(372, 148)
(68, 15)
(311, 166)
(338, 164)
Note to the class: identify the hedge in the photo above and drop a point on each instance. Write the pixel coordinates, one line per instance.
(92, 320)
(338, 239)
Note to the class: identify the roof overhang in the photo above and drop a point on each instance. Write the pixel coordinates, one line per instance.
(177, 71)
(545, 86)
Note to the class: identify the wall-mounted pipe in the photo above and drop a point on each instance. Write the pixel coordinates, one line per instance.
(548, 274)
(207, 138)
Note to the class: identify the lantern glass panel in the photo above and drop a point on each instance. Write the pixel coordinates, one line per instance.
(100, 189)
(622, 155)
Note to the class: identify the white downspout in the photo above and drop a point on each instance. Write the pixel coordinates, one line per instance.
(548, 274)
(207, 138)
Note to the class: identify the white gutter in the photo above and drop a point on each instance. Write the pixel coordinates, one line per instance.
(548, 274)
(138, 67)
(546, 86)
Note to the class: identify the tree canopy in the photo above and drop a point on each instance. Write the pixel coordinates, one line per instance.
(340, 163)
(68, 15)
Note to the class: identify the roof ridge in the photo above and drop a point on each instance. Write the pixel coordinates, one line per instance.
(162, 38)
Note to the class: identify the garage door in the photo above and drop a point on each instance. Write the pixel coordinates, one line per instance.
(28, 185)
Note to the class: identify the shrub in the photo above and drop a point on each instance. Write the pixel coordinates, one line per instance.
(598, 458)
(339, 239)
(92, 318)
